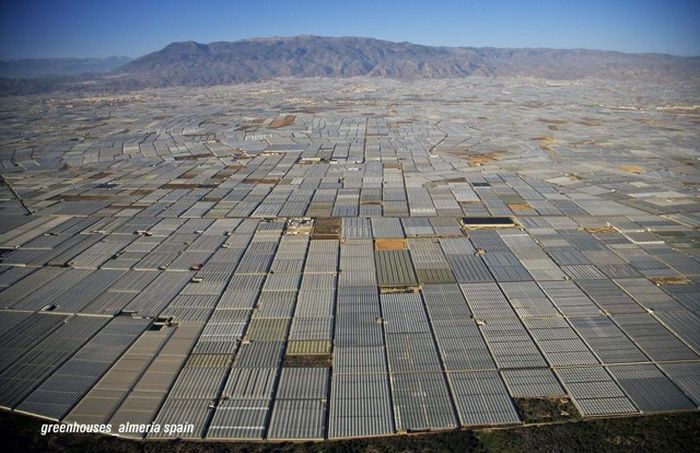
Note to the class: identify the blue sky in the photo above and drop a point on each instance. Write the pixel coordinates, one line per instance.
(99, 28)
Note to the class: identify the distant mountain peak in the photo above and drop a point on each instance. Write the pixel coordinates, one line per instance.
(190, 63)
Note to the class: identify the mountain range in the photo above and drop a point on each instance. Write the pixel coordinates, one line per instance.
(194, 64)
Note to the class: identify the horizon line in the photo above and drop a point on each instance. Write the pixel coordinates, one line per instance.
(253, 38)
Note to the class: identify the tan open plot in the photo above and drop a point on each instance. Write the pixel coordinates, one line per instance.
(391, 244)
(670, 280)
(283, 121)
(519, 206)
(604, 229)
(630, 168)
(546, 143)
(476, 160)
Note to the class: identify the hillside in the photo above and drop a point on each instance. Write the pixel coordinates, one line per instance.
(190, 63)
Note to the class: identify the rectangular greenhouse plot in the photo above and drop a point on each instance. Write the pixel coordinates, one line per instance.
(422, 402)
(653, 338)
(42, 298)
(313, 304)
(461, 346)
(267, 329)
(569, 299)
(198, 383)
(355, 227)
(386, 227)
(650, 389)
(34, 227)
(528, 300)
(447, 226)
(469, 269)
(320, 249)
(532, 383)
(609, 296)
(515, 273)
(683, 323)
(84, 292)
(260, 354)
(158, 294)
(315, 282)
(33, 367)
(359, 360)
(16, 341)
(357, 277)
(360, 406)
(482, 399)
(445, 302)
(298, 419)
(10, 320)
(193, 413)
(395, 269)
(308, 347)
(605, 406)
(239, 419)
(27, 284)
(304, 384)
(250, 383)
(141, 408)
(486, 301)
(607, 341)
(647, 294)
(559, 342)
(685, 376)
(410, 352)
(595, 392)
(143, 402)
(514, 353)
(511, 344)
(69, 383)
(106, 396)
(435, 275)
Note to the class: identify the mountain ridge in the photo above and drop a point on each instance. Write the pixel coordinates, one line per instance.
(189, 63)
(221, 62)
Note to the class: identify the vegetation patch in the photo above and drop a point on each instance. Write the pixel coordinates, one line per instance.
(658, 433)
(326, 228)
(308, 360)
(541, 410)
